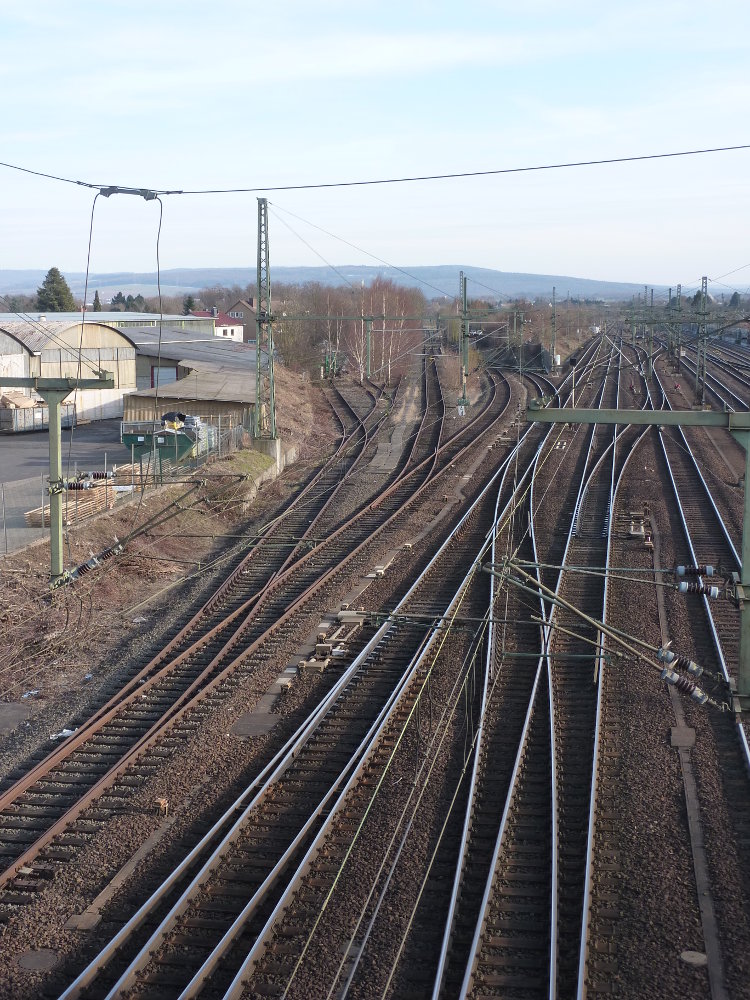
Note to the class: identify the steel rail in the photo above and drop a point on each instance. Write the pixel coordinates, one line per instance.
(237, 987)
(728, 366)
(200, 688)
(740, 730)
(513, 788)
(706, 606)
(500, 517)
(513, 791)
(714, 385)
(142, 682)
(269, 776)
(145, 678)
(739, 402)
(601, 638)
(548, 641)
(133, 693)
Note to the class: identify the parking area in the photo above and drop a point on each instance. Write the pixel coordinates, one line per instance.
(24, 467)
(84, 447)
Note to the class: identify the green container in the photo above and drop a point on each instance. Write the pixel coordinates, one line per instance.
(172, 446)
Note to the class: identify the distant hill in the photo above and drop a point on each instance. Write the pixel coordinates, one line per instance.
(434, 281)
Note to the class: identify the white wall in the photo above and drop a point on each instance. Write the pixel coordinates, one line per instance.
(98, 404)
(13, 366)
(229, 333)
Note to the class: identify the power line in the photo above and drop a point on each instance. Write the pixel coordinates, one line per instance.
(501, 295)
(317, 254)
(367, 253)
(80, 339)
(149, 193)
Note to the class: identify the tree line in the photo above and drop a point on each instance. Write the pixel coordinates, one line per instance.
(313, 321)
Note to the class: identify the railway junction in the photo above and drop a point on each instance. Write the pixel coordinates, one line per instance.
(461, 716)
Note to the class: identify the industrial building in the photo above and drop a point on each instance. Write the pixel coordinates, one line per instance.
(144, 353)
(191, 372)
(67, 348)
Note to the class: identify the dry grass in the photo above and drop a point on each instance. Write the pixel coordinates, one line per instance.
(51, 640)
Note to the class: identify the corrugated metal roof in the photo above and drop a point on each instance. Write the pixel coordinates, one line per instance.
(33, 337)
(222, 386)
(38, 335)
(35, 330)
(189, 348)
(114, 316)
(192, 349)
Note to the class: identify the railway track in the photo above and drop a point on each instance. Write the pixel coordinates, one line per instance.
(459, 764)
(606, 957)
(708, 538)
(62, 840)
(313, 771)
(43, 794)
(526, 928)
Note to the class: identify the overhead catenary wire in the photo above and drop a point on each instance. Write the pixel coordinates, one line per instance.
(380, 260)
(150, 193)
(425, 681)
(80, 346)
(312, 248)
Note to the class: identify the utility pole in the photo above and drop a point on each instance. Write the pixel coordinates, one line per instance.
(679, 328)
(554, 328)
(265, 392)
(54, 391)
(700, 367)
(670, 327)
(368, 334)
(463, 341)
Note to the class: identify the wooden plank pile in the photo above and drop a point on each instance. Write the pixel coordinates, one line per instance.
(77, 505)
(101, 495)
(125, 475)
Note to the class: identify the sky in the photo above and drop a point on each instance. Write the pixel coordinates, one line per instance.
(238, 94)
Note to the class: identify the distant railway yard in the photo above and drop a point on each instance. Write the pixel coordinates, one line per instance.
(458, 717)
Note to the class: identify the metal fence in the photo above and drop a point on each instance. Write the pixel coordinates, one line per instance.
(20, 497)
(16, 498)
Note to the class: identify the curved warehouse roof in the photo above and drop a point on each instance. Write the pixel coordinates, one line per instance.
(39, 335)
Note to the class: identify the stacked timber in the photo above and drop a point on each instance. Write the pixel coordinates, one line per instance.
(99, 494)
(127, 475)
(77, 506)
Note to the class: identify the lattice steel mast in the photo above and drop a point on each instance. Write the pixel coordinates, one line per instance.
(265, 393)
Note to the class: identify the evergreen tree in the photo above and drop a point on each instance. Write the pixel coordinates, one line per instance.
(54, 295)
(118, 302)
(188, 304)
(97, 307)
(734, 302)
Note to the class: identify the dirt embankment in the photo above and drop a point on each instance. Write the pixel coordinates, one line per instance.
(65, 646)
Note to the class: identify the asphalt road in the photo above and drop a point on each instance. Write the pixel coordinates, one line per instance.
(26, 455)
